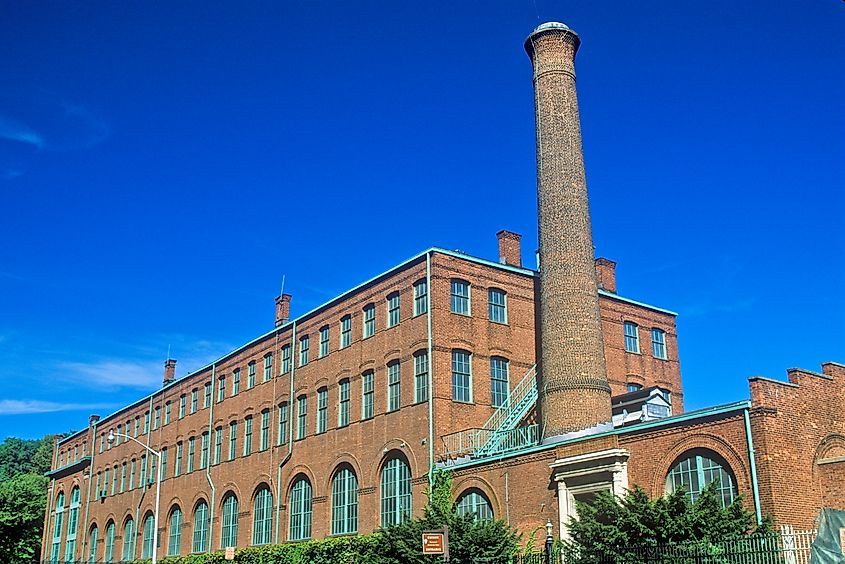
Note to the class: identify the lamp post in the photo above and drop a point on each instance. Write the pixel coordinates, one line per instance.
(549, 541)
(157, 454)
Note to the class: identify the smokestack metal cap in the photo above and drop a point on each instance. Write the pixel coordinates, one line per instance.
(550, 27)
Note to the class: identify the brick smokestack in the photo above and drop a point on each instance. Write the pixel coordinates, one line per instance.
(510, 251)
(282, 309)
(574, 393)
(169, 371)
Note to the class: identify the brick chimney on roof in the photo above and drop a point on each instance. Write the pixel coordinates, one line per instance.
(509, 248)
(169, 371)
(282, 309)
(606, 274)
(574, 392)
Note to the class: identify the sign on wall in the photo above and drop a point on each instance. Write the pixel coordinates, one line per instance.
(436, 542)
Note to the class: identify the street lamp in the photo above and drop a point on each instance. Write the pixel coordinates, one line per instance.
(157, 454)
(549, 541)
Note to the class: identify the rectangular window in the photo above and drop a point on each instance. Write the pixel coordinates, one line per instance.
(283, 424)
(632, 337)
(123, 477)
(250, 375)
(461, 376)
(156, 417)
(194, 396)
(322, 410)
(324, 341)
(105, 482)
(191, 452)
(343, 404)
(204, 450)
(146, 422)
(345, 331)
(221, 389)
(132, 474)
(420, 297)
(163, 472)
(218, 444)
(420, 376)
(236, 381)
(247, 435)
(658, 343)
(268, 367)
(498, 305)
(177, 468)
(142, 476)
(114, 482)
(151, 476)
(460, 297)
(393, 309)
(182, 401)
(285, 359)
(264, 438)
(137, 430)
(499, 386)
(233, 439)
(102, 444)
(206, 395)
(393, 390)
(303, 350)
(301, 414)
(167, 413)
(369, 320)
(367, 393)
(117, 436)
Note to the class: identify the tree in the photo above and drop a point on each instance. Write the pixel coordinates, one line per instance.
(470, 539)
(22, 502)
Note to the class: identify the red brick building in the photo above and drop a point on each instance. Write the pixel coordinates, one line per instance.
(330, 423)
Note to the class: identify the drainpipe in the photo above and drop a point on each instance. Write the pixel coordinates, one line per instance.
(430, 373)
(88, 495)
(48, 538)
(208, 460)
(290, 432)
(750, 441)
(146, 479)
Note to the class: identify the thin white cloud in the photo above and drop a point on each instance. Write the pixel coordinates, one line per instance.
(21, 407)
(112, 374)
(16, 131)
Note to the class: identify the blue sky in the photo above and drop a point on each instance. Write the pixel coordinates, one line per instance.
(162, 165)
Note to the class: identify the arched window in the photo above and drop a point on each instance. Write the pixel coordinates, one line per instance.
(300, 510)
(229, 526)
(108, 555)
(697, 468)
(147, 546)
(200, 527)
(72, 522)
(57, 527)
(92, 544)
(474, 502)
(262, 516)
(395, 492)
(174, 540)
(344, 502)
(129, 540)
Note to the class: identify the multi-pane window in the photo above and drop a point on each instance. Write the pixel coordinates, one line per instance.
(324, 341)
(322, 410)
(461, 376)
(300, 510)
(142, 474)
(229, 528)
(163, 474)
(175, 532)
(123, 477)
(262, 516)
(218, 444)
(393, 309)
(283, 424)
(72, 522)
(698, 468)
(233, 439)
(367, 393)
(92, 544)
(221, 389)
(250, 375)
(264, 437)
(369, 320)
(204, 450)
(303, 350)
(247, 435)
(658, 343)
(206, 394)
(147, 545)
(194, 399)
(420, 376)
(167, 413)
(236, 381)
(137, 428)
(114, 481)
(632, 337)
(393, 386)
(395, 492)
(460, 297)
(108, 555)
(129, 540)
(156, 417)
(146, 422)
(344, 502)
(57, 527)
(177, 467)
(473, 502)
(301, 415)
(191, 452)
(116, 439)
(499, 386)
(345, 331)
(420, 297)
(268, 367)
(182, 401)
(498, 305)
(132, 474)
(285, 359)
(343, 404)
(200, 543)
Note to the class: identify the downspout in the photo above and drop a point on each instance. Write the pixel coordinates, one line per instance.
(290, 432)
(48, 529)
(146, 480)
(750, 440)
(430, 373)
(88, 495)
(208, 459)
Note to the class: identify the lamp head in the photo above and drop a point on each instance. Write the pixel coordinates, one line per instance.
(110, 438)
(549, 528)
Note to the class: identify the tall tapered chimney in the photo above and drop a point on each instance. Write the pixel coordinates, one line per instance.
(574, 393)
(282, 309)
(169, 371)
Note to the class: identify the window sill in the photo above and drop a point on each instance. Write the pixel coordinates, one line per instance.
(634, 352)
(465, 402)
(505, 323)
(468, 314)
